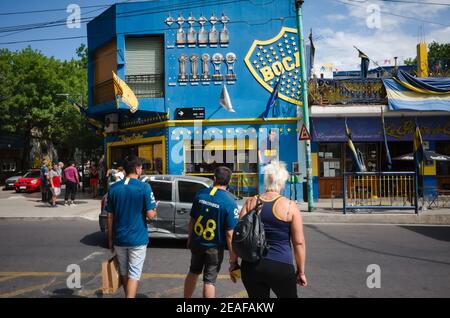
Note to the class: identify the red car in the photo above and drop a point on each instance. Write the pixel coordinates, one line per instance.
(30, 182)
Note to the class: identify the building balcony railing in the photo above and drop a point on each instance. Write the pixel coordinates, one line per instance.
(347, 91)
(146, 85)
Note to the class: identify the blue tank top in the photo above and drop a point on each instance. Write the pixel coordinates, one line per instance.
(278, 234)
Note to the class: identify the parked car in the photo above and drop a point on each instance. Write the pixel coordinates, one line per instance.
(9, 183)
(30, 182)
(175, 195)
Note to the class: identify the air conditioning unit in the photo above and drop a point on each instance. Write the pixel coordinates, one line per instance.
(111, 123)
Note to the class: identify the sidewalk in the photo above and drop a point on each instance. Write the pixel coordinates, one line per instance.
(330, 211)
(28, 206)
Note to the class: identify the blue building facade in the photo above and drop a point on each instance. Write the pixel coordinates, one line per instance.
(179, 58)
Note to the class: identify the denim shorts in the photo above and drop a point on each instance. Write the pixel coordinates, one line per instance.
(131, 260)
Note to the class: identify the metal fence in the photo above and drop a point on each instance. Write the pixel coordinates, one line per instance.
(380, 190)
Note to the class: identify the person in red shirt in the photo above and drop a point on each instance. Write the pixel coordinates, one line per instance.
(55, 183)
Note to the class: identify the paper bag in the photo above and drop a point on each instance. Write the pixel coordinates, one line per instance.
(110, 276)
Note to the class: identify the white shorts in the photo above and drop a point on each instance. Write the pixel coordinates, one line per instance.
(131, 260)
(56, 191)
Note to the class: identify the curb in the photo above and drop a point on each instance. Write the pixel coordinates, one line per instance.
(442, 219)
(437, 219)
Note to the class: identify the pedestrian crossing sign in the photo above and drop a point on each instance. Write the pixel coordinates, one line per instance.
(304, 134)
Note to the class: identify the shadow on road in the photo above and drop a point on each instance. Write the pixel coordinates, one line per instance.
(167, 243)
(59, 203)
(95, 239)
(315, 228)
(440, 233)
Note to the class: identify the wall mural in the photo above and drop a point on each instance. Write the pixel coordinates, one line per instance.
(277, 59)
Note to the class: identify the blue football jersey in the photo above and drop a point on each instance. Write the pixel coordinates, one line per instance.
(214, 212)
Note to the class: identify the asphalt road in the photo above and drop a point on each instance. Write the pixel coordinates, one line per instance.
(414, 261)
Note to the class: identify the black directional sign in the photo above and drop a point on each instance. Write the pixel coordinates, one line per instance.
(190, 113)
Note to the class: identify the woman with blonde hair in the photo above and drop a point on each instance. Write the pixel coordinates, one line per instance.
(284, 235)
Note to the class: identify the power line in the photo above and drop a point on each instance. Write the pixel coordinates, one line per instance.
(418, 2)
(143, 30)
(160, 9)
(396, 15)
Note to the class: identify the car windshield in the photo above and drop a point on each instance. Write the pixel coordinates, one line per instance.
(32, 174)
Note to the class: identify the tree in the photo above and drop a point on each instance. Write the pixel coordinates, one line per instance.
(31, 107)
(438, 58)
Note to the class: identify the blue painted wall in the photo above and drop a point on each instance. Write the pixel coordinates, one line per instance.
(249, 20)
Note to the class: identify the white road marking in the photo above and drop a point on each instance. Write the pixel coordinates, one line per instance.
(92, 255)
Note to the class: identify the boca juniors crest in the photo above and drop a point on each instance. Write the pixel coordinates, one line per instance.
(278, 59)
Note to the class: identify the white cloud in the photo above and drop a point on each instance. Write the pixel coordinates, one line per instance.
(335, 17)
(394, 38)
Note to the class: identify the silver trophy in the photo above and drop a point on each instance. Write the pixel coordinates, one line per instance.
(217, 61)
(205, 67)
(213, 34)
(230, 60)
(202, 34)
(182, 76)
(171, 36)
(194, 68)
(192, 34)
(181, 35)
(224, 34)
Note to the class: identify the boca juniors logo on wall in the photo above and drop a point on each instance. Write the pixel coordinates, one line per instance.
(277, 58)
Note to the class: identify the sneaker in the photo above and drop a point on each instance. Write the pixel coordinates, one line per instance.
(73, 204)
(66, 203)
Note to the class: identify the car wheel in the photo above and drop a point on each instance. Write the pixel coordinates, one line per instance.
(17, 191)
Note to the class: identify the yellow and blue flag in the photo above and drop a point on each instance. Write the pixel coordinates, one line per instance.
(419, 151)
(124, 91)
(386, 146)
(356, 154)
(272, 100)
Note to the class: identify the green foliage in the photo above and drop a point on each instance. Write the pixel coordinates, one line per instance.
(438, 58)
(30, 105)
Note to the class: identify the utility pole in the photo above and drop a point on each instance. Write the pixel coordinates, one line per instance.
(305, 106)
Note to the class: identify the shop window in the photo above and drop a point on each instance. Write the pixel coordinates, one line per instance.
(188, 190)
(162, 190)
(370, 157)
(151, 153)
(443, 168)
(330, 160)
(8, 166)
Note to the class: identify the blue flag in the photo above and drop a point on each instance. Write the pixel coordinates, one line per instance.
(272, 100)
(356, 154)
(386, 146)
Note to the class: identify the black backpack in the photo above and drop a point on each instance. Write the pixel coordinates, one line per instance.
(249, 238)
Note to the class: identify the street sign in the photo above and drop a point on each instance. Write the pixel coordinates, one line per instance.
(190, 113)
(304, 134)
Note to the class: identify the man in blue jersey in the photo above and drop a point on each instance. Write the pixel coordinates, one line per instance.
(214, 215)
(130, 203)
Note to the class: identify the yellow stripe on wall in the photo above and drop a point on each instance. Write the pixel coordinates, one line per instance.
(315, 164)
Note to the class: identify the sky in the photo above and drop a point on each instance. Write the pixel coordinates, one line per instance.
(381, 29)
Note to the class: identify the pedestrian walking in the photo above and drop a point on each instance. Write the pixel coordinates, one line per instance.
(44, 181)
(283, 226)
(55, 182)
(214, 215)
(93, 180)
(72, 180)
(130, 203)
